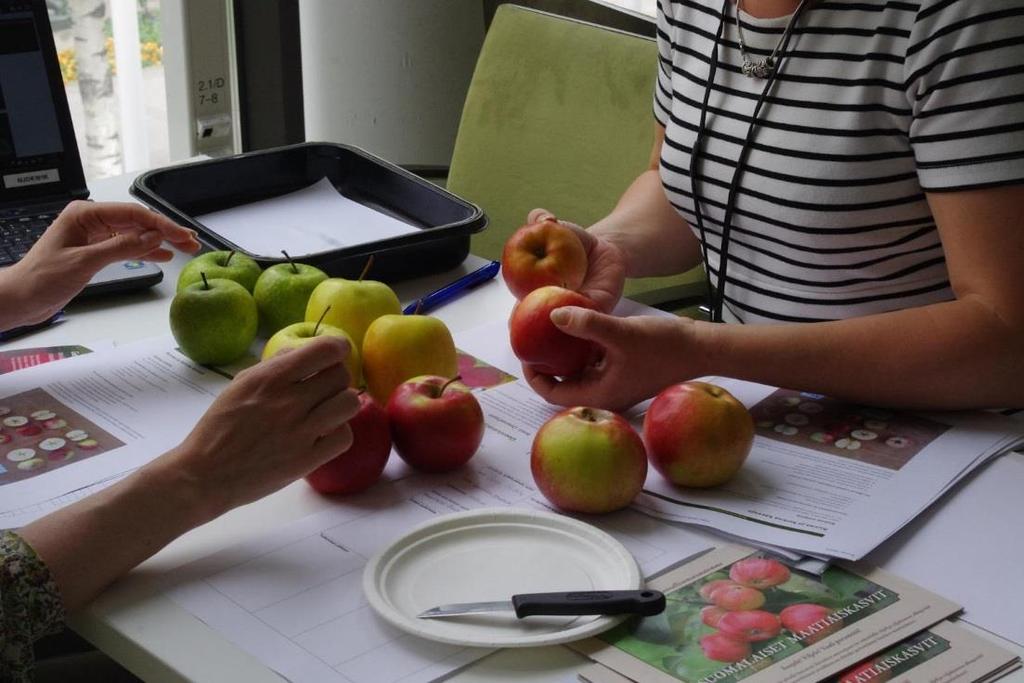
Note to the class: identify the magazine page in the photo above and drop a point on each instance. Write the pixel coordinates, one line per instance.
(793, 627)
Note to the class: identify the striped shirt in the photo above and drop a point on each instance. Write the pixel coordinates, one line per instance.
(876, 103)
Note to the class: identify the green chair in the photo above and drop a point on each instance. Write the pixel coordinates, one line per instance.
(559, 115)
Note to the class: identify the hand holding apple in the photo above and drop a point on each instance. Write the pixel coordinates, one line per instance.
(543, 253)
(588, 460)
(436, 423)
(360, 466)
(302, 333)
(697, 434)
(539, 344)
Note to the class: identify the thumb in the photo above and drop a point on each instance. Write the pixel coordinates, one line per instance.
(126, 245)
(537, 215)
(587, 324)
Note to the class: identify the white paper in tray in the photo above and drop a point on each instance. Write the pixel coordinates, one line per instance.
(308, 221)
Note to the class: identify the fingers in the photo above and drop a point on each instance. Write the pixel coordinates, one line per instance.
(102, 218)
(538, 215)
(307, 360)
(584, 323)
(333, 412)
(126, 245)
(322, 386)
(332, 445)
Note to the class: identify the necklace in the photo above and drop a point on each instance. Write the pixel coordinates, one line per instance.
(761, 68)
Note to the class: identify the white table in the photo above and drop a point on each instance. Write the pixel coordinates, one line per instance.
(154, 637)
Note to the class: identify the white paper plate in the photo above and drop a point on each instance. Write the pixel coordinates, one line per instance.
(491, 554)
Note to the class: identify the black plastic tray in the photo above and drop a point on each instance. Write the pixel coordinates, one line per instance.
(445, 220)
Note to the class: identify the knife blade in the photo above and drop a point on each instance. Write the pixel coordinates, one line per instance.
(644, 602)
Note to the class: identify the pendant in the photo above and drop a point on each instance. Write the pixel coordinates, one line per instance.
(761, 68)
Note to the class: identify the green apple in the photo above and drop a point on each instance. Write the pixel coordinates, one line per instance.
(282, 292)
(214, 321)
(299, 334)
(354, 304)
(227, 265)
(399, 347)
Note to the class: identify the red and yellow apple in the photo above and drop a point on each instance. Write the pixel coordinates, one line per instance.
(807, 619)
(588, 460)
(436, 423)
(359, 467)
(750, 625)
(759, 572)
(697, 434)
(539, 344)
(541, 254)
(399, 347)
(721, 648)
(737, 598)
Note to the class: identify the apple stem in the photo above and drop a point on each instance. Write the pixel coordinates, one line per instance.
(228, 259)
(322, 316)
(206, 285)
(294, 269)
(366, 268)
(419, 307)
(447, 384)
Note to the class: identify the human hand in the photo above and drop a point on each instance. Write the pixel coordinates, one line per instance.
(641, 355)
(276, 422)
(84, 238)
(606, 265)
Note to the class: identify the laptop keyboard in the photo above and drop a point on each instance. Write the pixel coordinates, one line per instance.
(19, 233)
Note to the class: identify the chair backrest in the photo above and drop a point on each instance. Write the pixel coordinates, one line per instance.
(558, 114)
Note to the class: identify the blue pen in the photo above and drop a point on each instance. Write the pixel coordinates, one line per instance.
(450, 291)
(27, 329)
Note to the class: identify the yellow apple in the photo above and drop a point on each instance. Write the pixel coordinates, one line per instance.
(298, 334)
(399, 347)
(354, 304)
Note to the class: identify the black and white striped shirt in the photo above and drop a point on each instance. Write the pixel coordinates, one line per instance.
(877, 102)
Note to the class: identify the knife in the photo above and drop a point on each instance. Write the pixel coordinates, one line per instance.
(643, 602)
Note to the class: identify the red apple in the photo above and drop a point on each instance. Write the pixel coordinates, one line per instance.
(711, 586)
(539, 344)
(541, 254)
(588, 460)
(803, 616)
(759, 572)
(436, 423)
(30, 429)
(711, 615)
(722, 648)
(697, 434)
(750, 625)
(737, 598)
(358, 468)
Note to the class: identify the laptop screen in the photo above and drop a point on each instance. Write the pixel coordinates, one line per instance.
(38, 155)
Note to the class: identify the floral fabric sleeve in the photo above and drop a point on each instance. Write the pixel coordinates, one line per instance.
(30, 606)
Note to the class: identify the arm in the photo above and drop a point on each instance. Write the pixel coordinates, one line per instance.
(223, 463)
(960, 354)
(84, 238)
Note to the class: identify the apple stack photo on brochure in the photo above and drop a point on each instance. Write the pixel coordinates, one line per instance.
(723, 530)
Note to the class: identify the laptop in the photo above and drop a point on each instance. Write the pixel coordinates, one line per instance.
(40, 168)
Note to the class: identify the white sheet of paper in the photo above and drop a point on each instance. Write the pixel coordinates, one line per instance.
(308, 221)
(967, 547)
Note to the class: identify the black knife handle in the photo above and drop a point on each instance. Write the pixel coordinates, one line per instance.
(645, 602)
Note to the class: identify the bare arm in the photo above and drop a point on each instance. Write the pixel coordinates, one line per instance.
(965, 353)
(653, 237)
(299, 396)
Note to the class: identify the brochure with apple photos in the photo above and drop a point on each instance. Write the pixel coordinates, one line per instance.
(944, 652)
(735, 614)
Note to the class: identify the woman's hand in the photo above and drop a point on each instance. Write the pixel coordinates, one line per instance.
(276, 422)
(84, 238)
(606, 266)
(641, 355)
